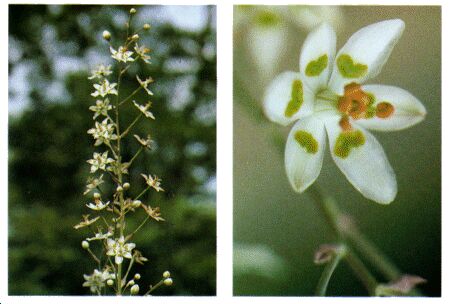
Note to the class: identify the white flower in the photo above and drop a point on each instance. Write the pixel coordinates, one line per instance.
(100, 236)
(93, 183)
(99, 161)
(97, 280)
(101, 108)
(144, 109)
(86, 222)
(154, 182)
(119, 249)
(101, 71)
(98, 205)
(104, 89)
(327, 96)
(146, 143)
(145, 83)
(142, 52)
(121, 54)
(103, 132)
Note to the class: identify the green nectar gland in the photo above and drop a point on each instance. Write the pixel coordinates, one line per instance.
(347, 141)
(350, 69)
(307, 141)
(296, 101)
(316, 67)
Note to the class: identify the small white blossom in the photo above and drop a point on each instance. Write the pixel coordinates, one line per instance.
(145, 83)
(154, 182)
(100, 236)
(98, 205)
(121, 54)
(86, 222)
(104, 89)
(119, 249)
(99, 161)
(144, 109)
(101, 108)
(146, 143)
(97, 280)
(103, 132)
(142, 52)
(93, 183)
(101, 71)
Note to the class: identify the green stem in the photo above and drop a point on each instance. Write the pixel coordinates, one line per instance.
(131, 125)
(328, 271)
(137, 229)
(129, 96)
(361, 271)
(153, 288)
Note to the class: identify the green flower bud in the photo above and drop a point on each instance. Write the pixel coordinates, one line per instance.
(110, 282)
(168, 282)
(85, 244)
(97, 195)
(166, 274)
(136, 204)
(134, 289)
(106, 35)
(137, 276)
(146, 26)
(133, 11)
(126, 186)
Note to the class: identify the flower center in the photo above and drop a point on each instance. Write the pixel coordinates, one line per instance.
(358, 104)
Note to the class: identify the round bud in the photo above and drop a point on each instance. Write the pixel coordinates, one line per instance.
(146, 26)
(134, 289)
(119, 189)
(97, 195)
(135, 37)
(136, 204)
(166, 274)
(106, 35)
(137, 276)
(85, 244)
(130, 282)
(110, 282)
(133, 11)
(168, 282)
(126, 186)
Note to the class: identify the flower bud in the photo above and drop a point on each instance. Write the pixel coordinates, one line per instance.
(110, 282)
(106, 35)
(135, 37)
(166, 274)
(96, 195)
(134, 289)
(168, 282)
(131, 282)
(119, 189)
(133, 11)
(126, 186)
(137, 276)
(85, 244)
(146, 26)
(136, 204)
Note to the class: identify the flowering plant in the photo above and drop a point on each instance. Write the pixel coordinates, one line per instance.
(114, 252)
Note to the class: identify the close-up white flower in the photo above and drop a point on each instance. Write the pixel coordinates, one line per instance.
(97, 280)
(99, 161)
(142, 52)
(101, 108)
(97, 205)
(145, 83)
(122, 54)
(102, 132)
(101, 71)
(153, 182)
(144, 109)
(119, 249)
(104, 88)
(327, 97)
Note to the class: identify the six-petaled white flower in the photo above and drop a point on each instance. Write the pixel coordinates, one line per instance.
(100, 72)
(122, 54)
(142, 52)
(104, 88)
(145, 83)
(100, 236)
(103, 132)
(119, 249)
(327, 96)
(93, 183)
(97, 280)
(101, 108)
(99, 161)
(153, 182)
(144, 109)
(97, 205)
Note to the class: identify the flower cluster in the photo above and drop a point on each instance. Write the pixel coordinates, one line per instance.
(108, 134)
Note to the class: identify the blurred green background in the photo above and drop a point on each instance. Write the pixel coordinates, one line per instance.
(51, 52)
(277, 231)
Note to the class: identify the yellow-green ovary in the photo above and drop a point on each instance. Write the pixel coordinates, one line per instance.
(347, 141)
(307, 141)
(296, 101)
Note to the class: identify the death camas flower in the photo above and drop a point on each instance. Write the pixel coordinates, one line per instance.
(119, 249)
(327, 95)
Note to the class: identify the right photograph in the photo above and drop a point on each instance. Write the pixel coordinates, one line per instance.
(337, 151)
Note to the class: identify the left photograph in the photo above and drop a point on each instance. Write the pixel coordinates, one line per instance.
(112, 150)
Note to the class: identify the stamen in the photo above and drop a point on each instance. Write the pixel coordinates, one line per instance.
(345, 125)
(384, 109)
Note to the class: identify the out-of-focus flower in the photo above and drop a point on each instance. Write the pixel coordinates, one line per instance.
(122, 54)
(101, 108)
(154, 182)
(96, 281)
(145, 83)
(144, 109)
(101, 71)
(104, 88)
(142, 52)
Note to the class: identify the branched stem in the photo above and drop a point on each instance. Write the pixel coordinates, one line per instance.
(328, 271)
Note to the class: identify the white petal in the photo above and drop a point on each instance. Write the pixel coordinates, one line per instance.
(118, 260)
(365, 53)
(365, 166)
(304, 152)
(317, 56)
(288, 99)
(408, 110)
